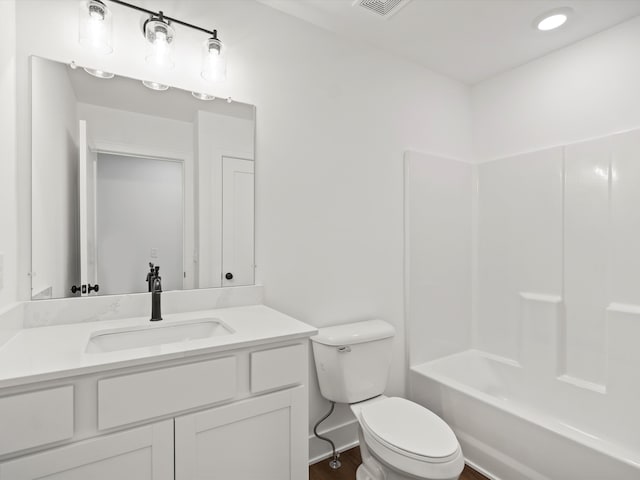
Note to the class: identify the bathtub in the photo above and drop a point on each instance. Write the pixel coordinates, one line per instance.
(514, 425)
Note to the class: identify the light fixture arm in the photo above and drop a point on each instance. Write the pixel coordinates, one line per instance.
(161, 15)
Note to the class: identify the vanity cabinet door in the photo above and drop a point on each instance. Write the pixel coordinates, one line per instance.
(262, 438)
(144, 453)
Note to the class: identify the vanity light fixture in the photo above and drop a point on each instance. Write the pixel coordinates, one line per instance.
(552, 19)
(95, 32)
(95, 26)
(99, 73)
(155, 85)
(203, 96)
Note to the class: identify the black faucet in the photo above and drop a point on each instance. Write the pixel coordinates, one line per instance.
(150, 276)
(156, 291)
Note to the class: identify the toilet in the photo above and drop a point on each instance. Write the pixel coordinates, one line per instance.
(399, 439)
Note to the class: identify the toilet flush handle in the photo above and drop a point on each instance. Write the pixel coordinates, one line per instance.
(344, 349)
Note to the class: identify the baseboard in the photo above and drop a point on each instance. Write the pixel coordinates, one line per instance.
(345, 436)
(481, 470)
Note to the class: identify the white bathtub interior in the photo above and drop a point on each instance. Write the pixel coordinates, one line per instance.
(551, 313)
(507, 434)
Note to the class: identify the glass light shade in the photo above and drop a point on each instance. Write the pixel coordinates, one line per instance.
(99, 73)
(160, 35)
(95, 26)
(203, 96)
(214, 61)
(155, 85)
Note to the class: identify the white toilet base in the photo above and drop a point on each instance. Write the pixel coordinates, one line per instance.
(364, 474)
(373, 468)
(377, 471)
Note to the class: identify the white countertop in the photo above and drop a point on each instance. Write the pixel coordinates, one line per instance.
(46, 353)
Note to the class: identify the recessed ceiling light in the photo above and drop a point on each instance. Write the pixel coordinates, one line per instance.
(99, 73)
(203, 96)
(155, 85)
(552, 22)
(553, 19)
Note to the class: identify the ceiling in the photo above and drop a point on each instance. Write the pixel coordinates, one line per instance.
(468, 40)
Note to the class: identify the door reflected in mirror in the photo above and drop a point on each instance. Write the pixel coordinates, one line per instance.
(123, 176)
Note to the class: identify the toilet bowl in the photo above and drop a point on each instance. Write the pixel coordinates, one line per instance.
(400, 440)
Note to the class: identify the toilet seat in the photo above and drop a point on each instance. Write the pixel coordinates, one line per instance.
(409, 438)
(409, 429)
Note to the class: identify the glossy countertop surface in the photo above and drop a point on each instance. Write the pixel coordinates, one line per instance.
(46, 353)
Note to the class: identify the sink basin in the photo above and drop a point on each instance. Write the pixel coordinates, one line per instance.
(158, 334)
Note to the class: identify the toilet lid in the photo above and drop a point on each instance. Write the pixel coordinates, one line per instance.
(410, 428)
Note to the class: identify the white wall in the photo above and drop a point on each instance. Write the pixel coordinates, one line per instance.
(438, 256)
(587, 90)
(55, 199)
(8, 187)
(333, 118)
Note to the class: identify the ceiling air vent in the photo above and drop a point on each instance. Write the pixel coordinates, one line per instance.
(383, 8)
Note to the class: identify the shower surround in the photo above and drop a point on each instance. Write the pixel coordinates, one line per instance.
(547, 379)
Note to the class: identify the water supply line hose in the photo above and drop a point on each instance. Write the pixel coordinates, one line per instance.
(334, 463)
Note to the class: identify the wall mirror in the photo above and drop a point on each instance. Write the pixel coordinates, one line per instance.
(124, 176)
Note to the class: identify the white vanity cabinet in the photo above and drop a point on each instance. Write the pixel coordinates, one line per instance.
(236, 414)
(143, 453)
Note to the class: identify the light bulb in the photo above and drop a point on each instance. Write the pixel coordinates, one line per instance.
(161, 38)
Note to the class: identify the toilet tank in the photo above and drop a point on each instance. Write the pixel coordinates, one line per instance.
(352, 360)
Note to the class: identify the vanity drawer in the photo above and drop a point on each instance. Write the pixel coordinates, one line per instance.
(36, 418)
(278, 367)
(141, 396)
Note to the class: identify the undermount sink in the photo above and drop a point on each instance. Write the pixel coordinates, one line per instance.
(155, 334)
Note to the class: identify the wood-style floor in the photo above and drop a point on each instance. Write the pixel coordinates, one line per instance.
(350, 461)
